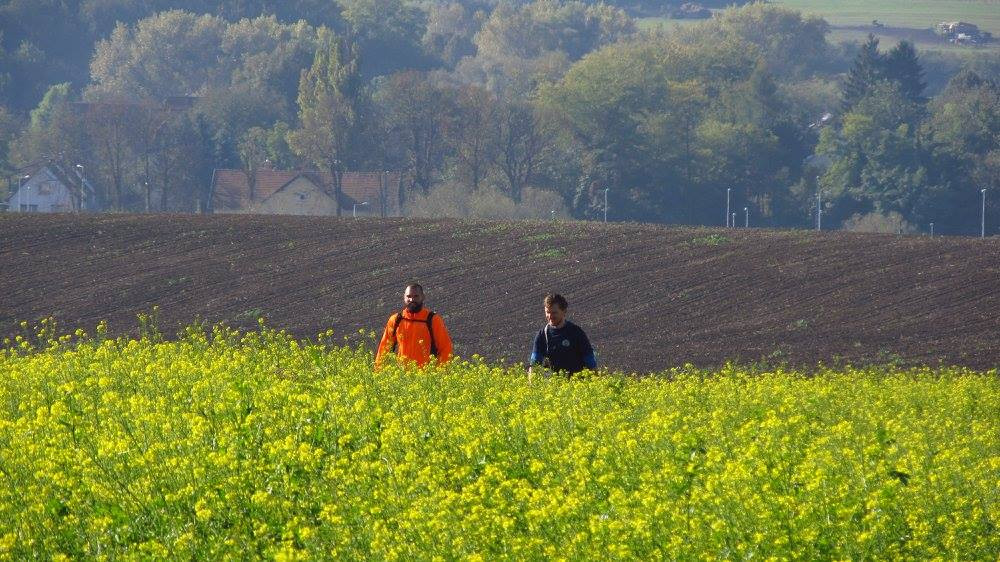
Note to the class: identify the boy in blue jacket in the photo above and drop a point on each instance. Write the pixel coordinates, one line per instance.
(561, 345)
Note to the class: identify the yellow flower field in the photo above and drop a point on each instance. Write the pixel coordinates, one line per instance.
(256, 445)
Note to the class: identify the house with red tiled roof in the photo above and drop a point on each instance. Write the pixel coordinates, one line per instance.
(297, 192)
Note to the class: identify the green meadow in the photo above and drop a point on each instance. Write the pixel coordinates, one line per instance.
(904, 19)
(919, 14)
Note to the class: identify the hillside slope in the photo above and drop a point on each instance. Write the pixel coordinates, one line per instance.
(650, 297)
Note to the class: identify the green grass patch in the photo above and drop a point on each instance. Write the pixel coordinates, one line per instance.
(711, 240)
(540, 237)
(551, 253)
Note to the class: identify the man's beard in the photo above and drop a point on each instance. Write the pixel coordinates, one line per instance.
(413, 307)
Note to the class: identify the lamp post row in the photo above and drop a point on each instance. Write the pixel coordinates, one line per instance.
(730, 217)
(982, 225)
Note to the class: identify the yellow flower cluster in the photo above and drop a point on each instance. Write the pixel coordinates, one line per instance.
(224, 444)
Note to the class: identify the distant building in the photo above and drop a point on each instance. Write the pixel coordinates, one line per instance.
(823, 121)
(962, 32)
(690, 10)
(296, 192)
(50, 188)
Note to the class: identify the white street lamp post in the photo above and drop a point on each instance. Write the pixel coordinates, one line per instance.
(728, 189)
(384, 196)
(982, 226)
(606, 204)
(932, 230)
(79, 172)
(746, 217)
(733, 217)
(354, 211)
(20, 183)
(819, 210)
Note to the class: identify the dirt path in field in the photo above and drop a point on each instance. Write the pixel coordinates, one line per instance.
(650, 297)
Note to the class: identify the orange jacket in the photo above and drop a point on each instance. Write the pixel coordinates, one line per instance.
(413, 339)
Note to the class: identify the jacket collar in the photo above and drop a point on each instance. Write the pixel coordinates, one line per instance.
(422, 315)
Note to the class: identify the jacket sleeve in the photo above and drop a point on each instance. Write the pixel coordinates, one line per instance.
(384, 345)
(538, 350)
(441, 339)
(587, 351)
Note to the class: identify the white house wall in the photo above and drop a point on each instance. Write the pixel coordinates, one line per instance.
(300, 197)
(45, 192)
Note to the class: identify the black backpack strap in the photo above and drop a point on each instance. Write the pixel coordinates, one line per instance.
(430, 329)
(395, 326)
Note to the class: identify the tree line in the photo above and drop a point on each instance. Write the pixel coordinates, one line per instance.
(545, 106)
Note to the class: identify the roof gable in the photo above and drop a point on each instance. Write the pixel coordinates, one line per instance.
(54, 174)
(299, 180)
(231, 188)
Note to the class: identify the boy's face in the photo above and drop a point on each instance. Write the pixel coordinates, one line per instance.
(555, 315)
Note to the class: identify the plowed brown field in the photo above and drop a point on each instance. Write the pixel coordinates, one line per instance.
(649, 296)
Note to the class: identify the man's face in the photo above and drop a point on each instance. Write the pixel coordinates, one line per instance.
(555, 315)
(413, 299)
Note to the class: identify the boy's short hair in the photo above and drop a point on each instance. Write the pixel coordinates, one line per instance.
(555, 299)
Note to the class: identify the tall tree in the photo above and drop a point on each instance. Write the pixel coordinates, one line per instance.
(451, 29)
(420, 114)
(789, 44)
(473, 143)
(56, 133)
(253, 155)
(903, 66)
(387, 33)
(111, 125)
(270, 55)
(878, 162)
(330, 99)
(171, 53)
(9, 127)
(148, 129)
(521, 140)
(867, 70)
(964, 125)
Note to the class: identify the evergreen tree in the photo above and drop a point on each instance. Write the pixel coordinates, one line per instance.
(902, 66)
(868, 69)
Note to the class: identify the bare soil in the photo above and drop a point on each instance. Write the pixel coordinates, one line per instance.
(650, 297)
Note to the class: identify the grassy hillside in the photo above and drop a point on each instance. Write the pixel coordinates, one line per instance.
(902, 13)
(650, 297)
(909, 20)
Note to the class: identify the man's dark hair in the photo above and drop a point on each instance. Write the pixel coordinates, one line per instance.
(557, 300)
(416, 286)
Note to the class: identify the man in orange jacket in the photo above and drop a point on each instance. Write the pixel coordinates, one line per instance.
(415, 333)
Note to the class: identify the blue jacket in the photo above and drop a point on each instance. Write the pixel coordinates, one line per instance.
(563, 349)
